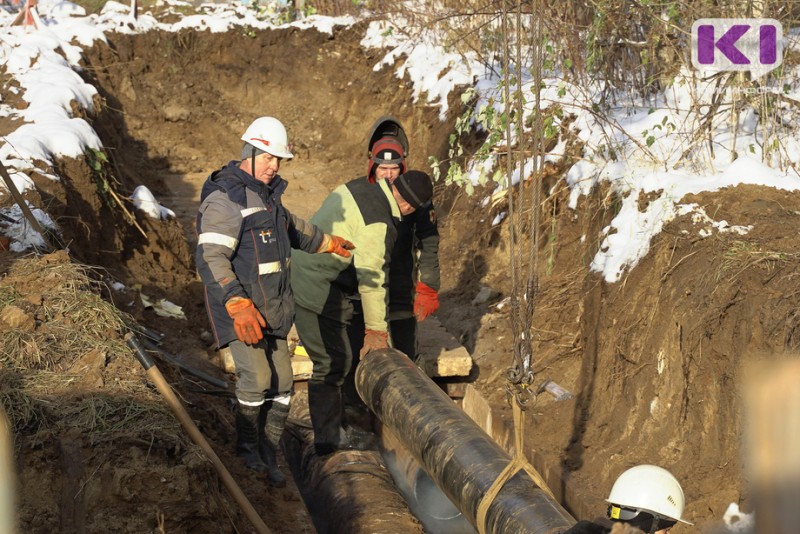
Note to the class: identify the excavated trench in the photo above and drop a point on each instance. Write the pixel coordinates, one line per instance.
(175, 105)
(673, 336)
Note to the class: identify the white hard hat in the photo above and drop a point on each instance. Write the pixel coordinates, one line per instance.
(269, 135)
(647, 488)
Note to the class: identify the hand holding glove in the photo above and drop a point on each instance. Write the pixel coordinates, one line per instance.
(247, 321)
(374, 340)
(333, 244)
(426, 302)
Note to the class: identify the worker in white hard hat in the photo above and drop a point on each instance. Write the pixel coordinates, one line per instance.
(245, 239)
(646, 497)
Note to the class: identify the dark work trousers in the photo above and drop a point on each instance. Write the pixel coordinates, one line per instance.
(355, 333)
(404, 336)
(325, 338)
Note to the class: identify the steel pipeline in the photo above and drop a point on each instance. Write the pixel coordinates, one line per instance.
(461, 459)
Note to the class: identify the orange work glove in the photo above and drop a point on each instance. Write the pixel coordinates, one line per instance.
(427, 301)
(374, 340)
(333, 244)
(247, 321)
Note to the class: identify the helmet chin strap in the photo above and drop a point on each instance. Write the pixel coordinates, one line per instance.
(655, 524)
(253, 161)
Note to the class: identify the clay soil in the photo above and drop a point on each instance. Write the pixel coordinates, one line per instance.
(655, 362)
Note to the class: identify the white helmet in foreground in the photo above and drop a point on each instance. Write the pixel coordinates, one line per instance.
(269, 135)
(646, 488)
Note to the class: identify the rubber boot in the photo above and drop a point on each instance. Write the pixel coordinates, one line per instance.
(273, 415)
(325, 407)
(356, 411)
(247, 437)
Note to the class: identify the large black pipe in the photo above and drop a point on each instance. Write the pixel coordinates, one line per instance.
(348, 492)
(460, 457)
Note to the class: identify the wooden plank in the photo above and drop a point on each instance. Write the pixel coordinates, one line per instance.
(301, 366)
(441, 355)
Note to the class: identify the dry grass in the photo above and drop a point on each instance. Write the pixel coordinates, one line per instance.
(71, 317)
(37, 387)
(48, 401)
(741, 255)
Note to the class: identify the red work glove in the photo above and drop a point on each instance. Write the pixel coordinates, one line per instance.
(374, 340)
(246, 320)
(427, 301)
(333, 244)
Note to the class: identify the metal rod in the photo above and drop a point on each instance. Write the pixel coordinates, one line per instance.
(180, 412)
(169, 358)
(461, 458)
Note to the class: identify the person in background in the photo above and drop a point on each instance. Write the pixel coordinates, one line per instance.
(327, 287)
(245, 237)
(646, 497)
(414, 279)
(414, 276)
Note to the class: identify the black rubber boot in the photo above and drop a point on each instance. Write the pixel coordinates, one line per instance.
(273, 416)
(247, 434)
(325, 406)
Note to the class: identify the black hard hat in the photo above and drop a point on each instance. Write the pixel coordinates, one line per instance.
(388, 144)
(387, 126)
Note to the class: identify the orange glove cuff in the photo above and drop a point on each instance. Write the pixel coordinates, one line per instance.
(237, 304)
(374, 340)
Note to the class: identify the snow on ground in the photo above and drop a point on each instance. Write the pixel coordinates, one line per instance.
(636, 148)
(652, 148)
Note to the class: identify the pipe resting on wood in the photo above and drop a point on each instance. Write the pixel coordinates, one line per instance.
(461, 458)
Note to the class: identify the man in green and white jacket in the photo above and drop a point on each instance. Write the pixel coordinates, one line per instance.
(366, 215)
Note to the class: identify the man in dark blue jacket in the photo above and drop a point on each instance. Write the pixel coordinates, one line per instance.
(245, 238)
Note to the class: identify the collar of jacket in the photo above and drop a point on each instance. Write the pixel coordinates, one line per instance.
(233, 181)
(276, 186)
